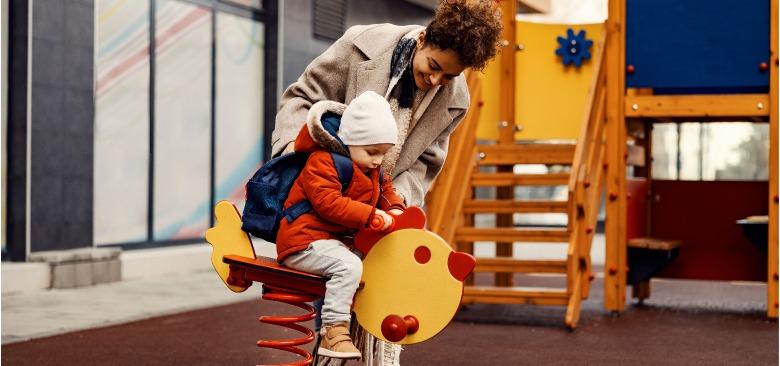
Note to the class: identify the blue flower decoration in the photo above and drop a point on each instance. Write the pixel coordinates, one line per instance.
(574, 48)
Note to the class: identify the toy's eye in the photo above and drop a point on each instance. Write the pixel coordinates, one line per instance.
(422, 254)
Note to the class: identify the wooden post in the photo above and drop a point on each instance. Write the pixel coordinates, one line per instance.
(615, 268)
(506, 123)
(773, 157)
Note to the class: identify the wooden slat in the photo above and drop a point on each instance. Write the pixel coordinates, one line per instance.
(525, 154)
(725, 105)
(510, 235)
(615, 231)
(772, 253)
(653, 243)
(512, 206)
(514, 295)
(575, 300)
(506, 117)
(512, 179)
(519, 266)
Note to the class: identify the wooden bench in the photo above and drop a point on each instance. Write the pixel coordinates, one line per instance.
(647, 257)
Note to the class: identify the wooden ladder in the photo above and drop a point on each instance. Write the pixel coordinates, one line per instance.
(452, 204)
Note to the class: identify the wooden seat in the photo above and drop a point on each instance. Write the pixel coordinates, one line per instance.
(646, 258)
(244, 270)
(654, 243)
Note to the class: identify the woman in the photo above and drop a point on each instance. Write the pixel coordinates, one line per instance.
(419, 71)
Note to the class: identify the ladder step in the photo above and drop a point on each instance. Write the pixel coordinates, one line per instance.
(510, 265)
(505, 154)
(511, 206)
(512, 179)
(471, 234)
(515, 295)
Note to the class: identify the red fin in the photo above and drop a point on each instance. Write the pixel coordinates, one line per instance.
(460, 265)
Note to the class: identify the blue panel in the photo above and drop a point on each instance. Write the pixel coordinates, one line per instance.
(707, 45)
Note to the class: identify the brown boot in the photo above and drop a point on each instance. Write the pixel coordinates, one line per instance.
(335, 342)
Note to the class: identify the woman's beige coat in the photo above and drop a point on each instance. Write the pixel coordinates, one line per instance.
(360, 61)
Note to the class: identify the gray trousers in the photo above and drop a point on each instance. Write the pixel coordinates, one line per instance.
(332, 259)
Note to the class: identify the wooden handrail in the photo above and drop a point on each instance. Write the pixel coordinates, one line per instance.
(584, 140)
(443, 203)
(584, 186)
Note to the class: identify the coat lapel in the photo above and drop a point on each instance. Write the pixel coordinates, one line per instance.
(372, 74)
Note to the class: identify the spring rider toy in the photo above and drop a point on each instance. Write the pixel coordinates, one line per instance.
(411, 287)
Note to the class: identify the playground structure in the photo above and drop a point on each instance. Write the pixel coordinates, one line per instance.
(604, 93)
(411, 286)
(649, 63)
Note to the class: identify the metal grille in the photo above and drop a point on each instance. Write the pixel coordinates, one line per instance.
(329, 19)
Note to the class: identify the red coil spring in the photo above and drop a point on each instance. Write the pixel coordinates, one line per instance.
(300, 300)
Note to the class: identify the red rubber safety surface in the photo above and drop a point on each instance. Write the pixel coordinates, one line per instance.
(654, 334)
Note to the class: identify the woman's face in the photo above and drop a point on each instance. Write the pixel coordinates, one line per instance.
(433, 66)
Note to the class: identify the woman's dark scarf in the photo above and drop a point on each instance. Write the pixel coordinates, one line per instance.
(401, 67)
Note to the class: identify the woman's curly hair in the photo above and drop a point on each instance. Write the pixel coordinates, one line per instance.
(471, 28)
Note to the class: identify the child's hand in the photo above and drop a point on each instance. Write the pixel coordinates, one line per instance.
(387, 220)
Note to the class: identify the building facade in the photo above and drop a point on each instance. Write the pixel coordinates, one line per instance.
(125, 121)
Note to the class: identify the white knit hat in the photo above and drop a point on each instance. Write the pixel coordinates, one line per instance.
(367, 121)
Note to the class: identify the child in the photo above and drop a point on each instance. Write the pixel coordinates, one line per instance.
(311, 243)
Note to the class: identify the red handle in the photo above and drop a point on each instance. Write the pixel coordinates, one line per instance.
(395, 328)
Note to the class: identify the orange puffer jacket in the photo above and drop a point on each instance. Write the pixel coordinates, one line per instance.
(334, 214)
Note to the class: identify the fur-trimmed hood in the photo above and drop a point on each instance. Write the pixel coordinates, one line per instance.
(321, 128)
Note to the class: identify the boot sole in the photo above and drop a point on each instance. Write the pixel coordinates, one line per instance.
(345, 355)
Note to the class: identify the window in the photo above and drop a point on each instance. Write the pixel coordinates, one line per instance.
(180, 114)
(121, 165)
(328, 19)
(182, 121)
(239, 135)
(711, 151)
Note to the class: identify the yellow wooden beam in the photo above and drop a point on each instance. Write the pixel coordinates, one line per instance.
(720, 105)
(519, 266)
(525, 154)
(506, 131)
(507, 59)
(512, 179)
(515, 295)
(772, 280)
(506, 236)
(512, 206)
(615, 258)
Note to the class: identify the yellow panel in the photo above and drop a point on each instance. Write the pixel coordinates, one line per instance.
(226, 237)
(396, 284)
(487, 129)
(550, 97)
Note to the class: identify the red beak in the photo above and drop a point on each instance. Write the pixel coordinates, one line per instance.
(461, 265)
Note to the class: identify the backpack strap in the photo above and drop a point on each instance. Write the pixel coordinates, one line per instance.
(343, 169)
(296, 210)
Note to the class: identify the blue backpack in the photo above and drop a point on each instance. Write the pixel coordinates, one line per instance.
(269, 187)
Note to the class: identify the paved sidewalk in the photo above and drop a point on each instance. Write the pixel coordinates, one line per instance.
(49, 312)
